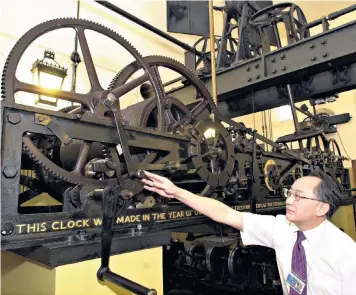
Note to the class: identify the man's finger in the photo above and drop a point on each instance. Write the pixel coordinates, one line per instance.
(150, 188)
(148, 182)
(154, 176)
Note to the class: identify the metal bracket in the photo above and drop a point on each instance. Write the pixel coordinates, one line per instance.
(54, 127)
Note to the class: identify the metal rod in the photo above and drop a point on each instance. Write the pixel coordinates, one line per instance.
(122, 90)
(341, 12)
(289, 89)
(212, 51)
(108, 275)
(292, 107)
(82, 158)
(75, 64)
(148, 27)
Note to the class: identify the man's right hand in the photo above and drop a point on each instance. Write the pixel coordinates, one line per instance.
(214, 209)
(160, 185)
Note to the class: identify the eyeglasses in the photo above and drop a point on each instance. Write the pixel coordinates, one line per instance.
(288, 193)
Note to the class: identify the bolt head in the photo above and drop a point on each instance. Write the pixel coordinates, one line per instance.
(111, 97)
(10, 171)
(7, 229)
(14, 118)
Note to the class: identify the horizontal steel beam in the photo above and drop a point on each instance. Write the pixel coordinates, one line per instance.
(314, 66)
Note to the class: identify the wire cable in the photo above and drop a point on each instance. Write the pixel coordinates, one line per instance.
(343, 145)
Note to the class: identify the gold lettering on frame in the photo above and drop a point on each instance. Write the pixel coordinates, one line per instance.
(97, 221)
(43, 227)
(20, 227)
(55, 225)
(25, 228)
(71, 224)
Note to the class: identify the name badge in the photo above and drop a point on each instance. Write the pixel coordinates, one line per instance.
(296, 283)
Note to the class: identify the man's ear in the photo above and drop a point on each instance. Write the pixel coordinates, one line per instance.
(322, 209)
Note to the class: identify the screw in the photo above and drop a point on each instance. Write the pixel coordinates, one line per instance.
(313, 58)
(10, 171)
(111, 97)
(312, 46)
(323, 42)
(7, 229)
(325, 54)
(14, 118)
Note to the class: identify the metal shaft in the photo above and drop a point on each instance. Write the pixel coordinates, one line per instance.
(289, 89)
(212, 51)
(148, 26)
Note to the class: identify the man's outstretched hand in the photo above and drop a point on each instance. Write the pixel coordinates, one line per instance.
(160, 185)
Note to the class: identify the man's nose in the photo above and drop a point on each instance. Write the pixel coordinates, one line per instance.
(290, 200)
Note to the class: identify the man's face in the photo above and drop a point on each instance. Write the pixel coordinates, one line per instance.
(299, 211)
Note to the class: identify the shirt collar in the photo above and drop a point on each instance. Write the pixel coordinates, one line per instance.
(315, 234)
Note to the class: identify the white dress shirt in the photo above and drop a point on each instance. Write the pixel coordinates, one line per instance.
(330, 253)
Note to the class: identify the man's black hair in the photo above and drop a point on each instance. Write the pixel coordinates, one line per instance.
(328, 190)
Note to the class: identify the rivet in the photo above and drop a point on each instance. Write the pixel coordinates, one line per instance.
(323, 42)
(274, 71)
(312, 46)
(325, 54)
(248, 69)
(284, 68)
(273, 59)
(249, 79)
(313, 58)
(257, 66)
(283, 56)
(257, 77)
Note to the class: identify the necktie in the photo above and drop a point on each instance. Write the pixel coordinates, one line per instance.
(299, 262)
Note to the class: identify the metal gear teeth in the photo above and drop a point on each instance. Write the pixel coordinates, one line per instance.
(114, 80)
(38, 162)
(188, 69)
(15, 47)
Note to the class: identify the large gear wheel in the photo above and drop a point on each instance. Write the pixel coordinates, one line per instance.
(175, 113)
(93, 100)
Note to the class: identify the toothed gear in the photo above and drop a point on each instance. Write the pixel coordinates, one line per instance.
(157, 60)
(59, 173)
(160, 61)
(10, 85)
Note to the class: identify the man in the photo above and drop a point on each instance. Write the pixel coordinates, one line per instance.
(314, 257)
